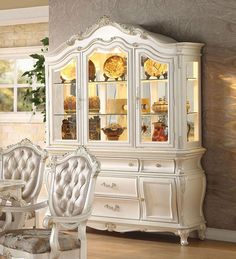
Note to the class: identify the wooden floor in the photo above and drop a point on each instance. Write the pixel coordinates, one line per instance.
(153, 246)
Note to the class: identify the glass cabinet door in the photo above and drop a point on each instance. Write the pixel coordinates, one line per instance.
(107, 94)
(153, 100)
(64, 119)
(192, 101)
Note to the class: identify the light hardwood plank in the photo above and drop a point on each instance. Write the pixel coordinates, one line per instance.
(153, 246)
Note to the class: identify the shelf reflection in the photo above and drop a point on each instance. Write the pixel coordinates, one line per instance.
(108, 82)
(65, 114)
(152, 113)
(154, 80)
(105, 114)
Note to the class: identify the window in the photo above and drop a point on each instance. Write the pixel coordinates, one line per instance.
(13, 63)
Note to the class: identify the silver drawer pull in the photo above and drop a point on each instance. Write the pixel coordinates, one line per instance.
(112, 185)
(114, 208)
(131, 164)
(158, 165)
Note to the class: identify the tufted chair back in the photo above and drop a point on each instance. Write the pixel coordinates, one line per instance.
(73, 183)
(24, 161)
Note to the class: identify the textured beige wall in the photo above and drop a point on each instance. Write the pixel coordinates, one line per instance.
(22, 36)
(13, 4)
(210, 22)
(11, 133)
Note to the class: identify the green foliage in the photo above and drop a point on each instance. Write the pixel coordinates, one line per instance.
(37, 96)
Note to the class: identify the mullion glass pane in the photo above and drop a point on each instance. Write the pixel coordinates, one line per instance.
(108, 95)
(6, 100)
(192, 102)
(23, 105)
(23, 65)
(64, 102)
(6, 71)
(154, 100)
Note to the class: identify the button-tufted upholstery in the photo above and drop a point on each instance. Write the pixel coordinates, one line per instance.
(70, 186)
(24, 161)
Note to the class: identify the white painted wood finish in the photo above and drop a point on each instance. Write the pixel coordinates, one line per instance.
(58, 219)
(24, 15)
(147, 186)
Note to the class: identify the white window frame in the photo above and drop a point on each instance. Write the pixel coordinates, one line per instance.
(28, 117)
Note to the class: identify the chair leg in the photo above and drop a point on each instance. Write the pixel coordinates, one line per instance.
(83, 240)
(54, 243)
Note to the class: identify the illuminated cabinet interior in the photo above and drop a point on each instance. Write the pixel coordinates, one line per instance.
(133, 99)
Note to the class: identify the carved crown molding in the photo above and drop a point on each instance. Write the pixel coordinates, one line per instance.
(105, 21)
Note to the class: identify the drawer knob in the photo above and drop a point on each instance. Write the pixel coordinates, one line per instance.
(131, 164)
(114, 208)
(158, 165)
(107, 185)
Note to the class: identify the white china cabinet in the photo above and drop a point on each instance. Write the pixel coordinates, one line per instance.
(133, 99)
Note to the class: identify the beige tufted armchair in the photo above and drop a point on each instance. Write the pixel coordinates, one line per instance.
(26, 162)
(71, 194)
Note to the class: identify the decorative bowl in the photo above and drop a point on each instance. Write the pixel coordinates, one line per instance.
(160, 106)
(113, 131)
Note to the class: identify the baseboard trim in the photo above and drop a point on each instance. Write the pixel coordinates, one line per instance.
(221, 234)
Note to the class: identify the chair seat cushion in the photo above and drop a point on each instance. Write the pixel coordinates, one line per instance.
(36, 241)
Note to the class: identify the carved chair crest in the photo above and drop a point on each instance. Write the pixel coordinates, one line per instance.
(24, 161)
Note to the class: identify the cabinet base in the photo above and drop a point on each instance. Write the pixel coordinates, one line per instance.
(183, 233)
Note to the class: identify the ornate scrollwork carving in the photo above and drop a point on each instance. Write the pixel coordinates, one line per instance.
(104, 21)
(28, 143)
(135, 44)
(8, 199)
(7, 253)
(179, 166)
(110, 226)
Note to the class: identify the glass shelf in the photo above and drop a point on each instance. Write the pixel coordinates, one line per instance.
(153, 114)
(65, 83)
(153, 80)
(191, 79)
(108, 82)
(106, 114)
(192, 113)
(64, 114)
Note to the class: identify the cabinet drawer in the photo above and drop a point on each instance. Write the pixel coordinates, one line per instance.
(108, 207)
(116, 186)
(163, 166)
(119, 164)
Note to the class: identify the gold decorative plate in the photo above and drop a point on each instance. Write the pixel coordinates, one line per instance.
(68, 73)
(114, 67)
(153, 68)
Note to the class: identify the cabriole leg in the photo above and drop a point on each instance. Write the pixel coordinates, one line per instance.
(202, 232)
(183, 237)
